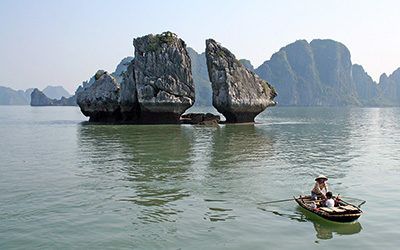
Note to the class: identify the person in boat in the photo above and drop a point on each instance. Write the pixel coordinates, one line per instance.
(329, 202)
(320, 188)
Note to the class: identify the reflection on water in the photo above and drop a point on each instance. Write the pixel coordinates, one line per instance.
(151, 160)
(162, 165)
(325, 229)
(236, 150)
(69, 185)
(236, 144)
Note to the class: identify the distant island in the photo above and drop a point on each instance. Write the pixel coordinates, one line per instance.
(9, 96)
(319, 73)
(39, 98)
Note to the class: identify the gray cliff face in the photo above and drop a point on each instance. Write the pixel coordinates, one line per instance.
(239, 94)
(70, 101)
(390, 88)
(247, 64)
(367, 89)
(128, 96)
(163, 77)
(122, 68)
(38, 98)
(201, 80)
(154, 87)
(333, 62)
(319, 73)
(9, 96)
(100, 100)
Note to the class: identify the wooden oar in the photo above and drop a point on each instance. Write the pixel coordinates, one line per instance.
(269, 202)
(351, 198)
(359, 205)
(362, 203)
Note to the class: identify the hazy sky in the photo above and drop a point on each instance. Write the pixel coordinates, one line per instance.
(64, 42)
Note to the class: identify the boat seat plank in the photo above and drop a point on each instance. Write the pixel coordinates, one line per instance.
(338, 210)
(349, 208)
(326, 209)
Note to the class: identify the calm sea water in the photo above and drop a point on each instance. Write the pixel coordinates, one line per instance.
(68, 185)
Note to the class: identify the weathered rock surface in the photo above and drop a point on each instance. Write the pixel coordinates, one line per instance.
(100, 99)
(122, 68)
(321, 73)
(163, 77)
(200, 119)
(9, 96)
(238, 93)
(247, 64)
(38, 98)
(129, 104)
(154, 87)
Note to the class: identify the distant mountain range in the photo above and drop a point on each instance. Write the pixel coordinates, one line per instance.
(38, 98)
(319, 73)
(9, 96)
(56, 92)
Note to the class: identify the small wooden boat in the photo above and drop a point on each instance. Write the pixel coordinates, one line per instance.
(343, 212)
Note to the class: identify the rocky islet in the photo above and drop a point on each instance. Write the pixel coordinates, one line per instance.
(38, 98)
(156, 86)
(238, 93)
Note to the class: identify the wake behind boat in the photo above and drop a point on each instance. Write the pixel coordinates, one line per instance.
(343, 212)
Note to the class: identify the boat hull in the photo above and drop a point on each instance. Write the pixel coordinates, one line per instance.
(338, 217)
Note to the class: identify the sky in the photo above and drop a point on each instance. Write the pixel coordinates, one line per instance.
(64, 42)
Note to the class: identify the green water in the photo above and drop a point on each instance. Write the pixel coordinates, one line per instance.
(68, 185)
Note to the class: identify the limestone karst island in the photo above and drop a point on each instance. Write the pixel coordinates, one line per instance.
(157, 86)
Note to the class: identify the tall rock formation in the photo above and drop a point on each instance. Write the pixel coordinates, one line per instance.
(100, 99)
(293, 72)
(238, 93)
(9, 96)
(390, 88)
(321, 73)
(38, 98)
(163, 77)
(366, 89)
(155, 87)
(312, 74)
